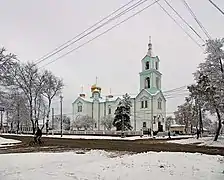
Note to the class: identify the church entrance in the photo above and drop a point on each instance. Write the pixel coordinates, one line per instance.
(160, 127)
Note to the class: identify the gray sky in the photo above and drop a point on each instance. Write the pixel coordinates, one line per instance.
(31, 29)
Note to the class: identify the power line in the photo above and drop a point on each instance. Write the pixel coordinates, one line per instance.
(196, 19)
(101, 33)
(85, 30)
(166, 93)
(105, 23)
(179, 25)
(216, 6)
(184, 20)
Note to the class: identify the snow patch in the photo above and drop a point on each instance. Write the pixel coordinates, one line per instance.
(205, 141)
(7, 142)
(99, 165)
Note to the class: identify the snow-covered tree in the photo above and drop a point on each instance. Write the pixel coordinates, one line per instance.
(210, 78)
(107, 122)
(169, 122)
(84, 122)
(122, 114)
(186, 114)
(7, 60)
(66, 122)
(17, 110)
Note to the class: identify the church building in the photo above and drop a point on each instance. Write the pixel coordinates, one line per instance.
(148, 109)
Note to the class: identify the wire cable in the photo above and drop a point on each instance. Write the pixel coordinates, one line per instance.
(180, 26)
(196, 19)
(116, 25)
(216, 6)
(184, 20)
(85, 30)
(105, 23)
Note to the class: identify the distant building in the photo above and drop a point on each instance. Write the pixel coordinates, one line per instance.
(148, 106)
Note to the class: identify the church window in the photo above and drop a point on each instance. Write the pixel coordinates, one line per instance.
(109, 109)
(147, 82)
(147, 65)
(142, 104)
(157, 82)
(159, 104)
(146, 104)
(144, 124)
(79, 107)
(157, 66)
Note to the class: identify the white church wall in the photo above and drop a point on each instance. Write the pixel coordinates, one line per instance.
(159, 113)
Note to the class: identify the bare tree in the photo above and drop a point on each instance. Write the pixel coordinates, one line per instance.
(52, 86)
(17, 110)
(27, 78)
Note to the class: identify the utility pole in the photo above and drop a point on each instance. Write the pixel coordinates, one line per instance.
(61, 114)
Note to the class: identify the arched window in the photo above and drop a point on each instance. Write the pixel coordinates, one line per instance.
(79, 107)
(109, 109)
(147, 82)
(157, 66)
(147, 65)
(159, 101)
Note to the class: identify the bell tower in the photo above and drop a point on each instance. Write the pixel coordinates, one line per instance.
(150, 76)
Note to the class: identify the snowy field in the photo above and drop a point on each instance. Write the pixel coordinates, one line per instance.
(205, 141)
(7, 142)
(101, 165)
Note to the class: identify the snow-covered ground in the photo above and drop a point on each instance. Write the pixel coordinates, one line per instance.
(104, 137)
(7, 142)
(103, 165)
(205, 141)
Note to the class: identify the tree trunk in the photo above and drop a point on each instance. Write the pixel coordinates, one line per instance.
(48, 115)
(200, 121)
(31, 116)
(219, 125)
(33, 126)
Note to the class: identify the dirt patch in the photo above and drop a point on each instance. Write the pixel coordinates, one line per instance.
(136, 146)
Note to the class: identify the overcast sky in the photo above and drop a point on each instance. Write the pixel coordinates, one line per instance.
(30, 29)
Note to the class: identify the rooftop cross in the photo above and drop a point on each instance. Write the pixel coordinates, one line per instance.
(150, 47)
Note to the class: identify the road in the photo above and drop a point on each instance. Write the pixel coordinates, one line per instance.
(136, 146)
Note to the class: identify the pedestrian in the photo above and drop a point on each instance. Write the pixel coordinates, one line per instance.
(148, 132)
(37, 136)
(169, 135)
(198, 133)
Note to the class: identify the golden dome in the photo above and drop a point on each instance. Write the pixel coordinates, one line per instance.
(95, 88)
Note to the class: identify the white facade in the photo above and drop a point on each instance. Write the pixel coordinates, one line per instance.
(148, 109)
